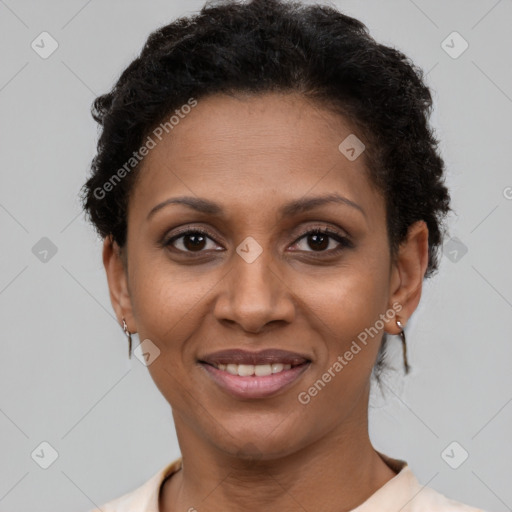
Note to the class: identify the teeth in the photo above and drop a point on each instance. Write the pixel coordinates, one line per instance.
(277, 367)
(260, 370)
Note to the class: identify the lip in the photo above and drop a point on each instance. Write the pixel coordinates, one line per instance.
(254, 386)
(267, 356)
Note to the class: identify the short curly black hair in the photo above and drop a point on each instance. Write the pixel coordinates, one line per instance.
(278, 46)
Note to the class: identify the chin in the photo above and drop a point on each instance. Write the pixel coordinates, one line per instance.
(257, 445)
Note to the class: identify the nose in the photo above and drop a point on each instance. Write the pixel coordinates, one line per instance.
(254, 295)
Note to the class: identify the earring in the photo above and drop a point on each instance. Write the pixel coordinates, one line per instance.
(404, 345)
(129, 335)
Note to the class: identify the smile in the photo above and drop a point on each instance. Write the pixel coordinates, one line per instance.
(254, 381)
(247, 370)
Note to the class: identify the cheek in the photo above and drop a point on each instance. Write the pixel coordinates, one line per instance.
(352, 297)
(347, 308)
(166, 300)
(166, 307)
(346, 311)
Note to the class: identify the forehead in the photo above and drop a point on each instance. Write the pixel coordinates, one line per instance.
(244, 149)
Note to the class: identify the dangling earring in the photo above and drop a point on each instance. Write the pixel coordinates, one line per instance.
(129, 335)
(404, 345)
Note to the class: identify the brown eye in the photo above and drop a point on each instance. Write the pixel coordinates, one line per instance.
(194, 242)
(319, 240)
(190, 241)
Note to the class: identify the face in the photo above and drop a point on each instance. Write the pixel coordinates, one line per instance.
(238, 265)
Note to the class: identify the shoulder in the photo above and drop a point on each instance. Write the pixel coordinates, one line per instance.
(430, 500)
(405, 493)
(145, 497)
(426, 499)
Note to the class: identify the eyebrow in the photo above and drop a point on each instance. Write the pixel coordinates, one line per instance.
(288, 210)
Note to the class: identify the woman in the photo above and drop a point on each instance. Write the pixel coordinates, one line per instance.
(271, 198)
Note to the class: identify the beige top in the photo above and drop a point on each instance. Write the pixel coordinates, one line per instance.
(402, 493)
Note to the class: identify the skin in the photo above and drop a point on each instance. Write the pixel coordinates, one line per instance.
(252, 155)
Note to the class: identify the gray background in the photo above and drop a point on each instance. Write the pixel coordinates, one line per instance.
(65, 377)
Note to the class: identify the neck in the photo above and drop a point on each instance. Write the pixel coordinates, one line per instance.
(335, 473)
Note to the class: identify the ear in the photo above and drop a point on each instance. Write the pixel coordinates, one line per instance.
(407, 273)
(118, 283)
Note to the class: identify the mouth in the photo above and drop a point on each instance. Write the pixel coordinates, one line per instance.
(258, 370)
(254, 375)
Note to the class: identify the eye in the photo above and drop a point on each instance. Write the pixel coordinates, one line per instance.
(192, 240)
(318, 239)
(322, 239)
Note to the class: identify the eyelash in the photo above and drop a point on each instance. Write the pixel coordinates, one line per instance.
(342, 240)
